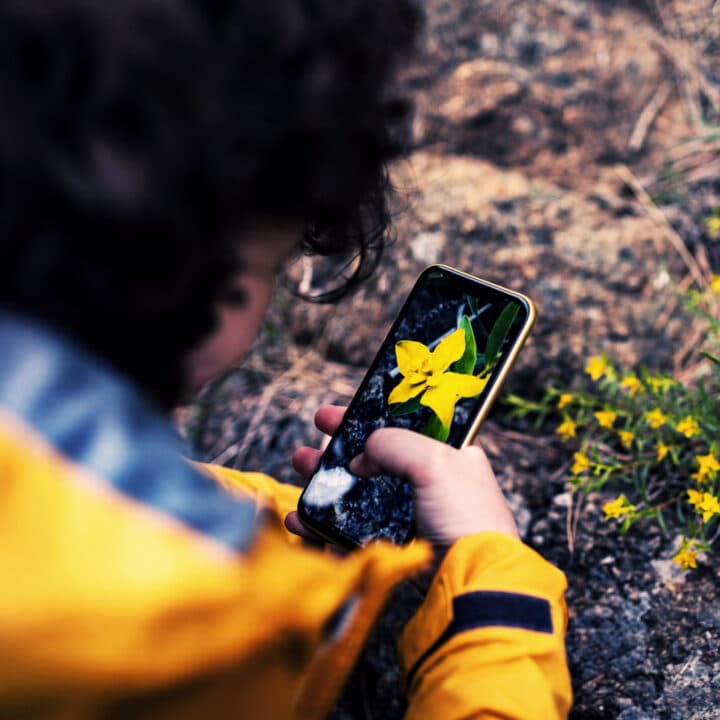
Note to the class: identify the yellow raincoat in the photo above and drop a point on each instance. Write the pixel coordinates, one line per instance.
(136, 585)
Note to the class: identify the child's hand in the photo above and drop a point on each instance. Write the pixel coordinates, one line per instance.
(455, 491)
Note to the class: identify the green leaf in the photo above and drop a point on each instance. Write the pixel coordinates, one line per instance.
(466, 364)
(715, 359)
(409, 406)
(472, 304)
(499, 332)
(626, 524)
(661, 520)
(435, 429)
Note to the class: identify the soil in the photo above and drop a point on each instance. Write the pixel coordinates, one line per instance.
(538, 125)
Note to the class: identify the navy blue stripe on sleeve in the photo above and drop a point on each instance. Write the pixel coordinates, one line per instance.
(491, 609)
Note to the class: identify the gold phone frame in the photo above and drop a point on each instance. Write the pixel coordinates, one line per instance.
(509, 358)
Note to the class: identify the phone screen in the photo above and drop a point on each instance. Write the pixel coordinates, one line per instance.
(436, 373)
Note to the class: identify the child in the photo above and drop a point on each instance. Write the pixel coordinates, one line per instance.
(159, 161)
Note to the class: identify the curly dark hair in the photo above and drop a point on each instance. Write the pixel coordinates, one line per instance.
(138, 137)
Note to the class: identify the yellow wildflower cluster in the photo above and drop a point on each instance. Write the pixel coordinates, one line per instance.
(688, 426)
(686, 557)
(646, 434)
(566, 429)
(704, 503)
(660, 385)
(598, 367)
(581, 464)
(708, 466)
(605, 418)
(626, 437)
(655, 418)
(618, 508)
(715, 284)
(662, 450)
(631, 384)
(713, 225)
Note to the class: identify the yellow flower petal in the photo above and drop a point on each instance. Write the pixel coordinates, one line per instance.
(695, 498)
(597, 367)
(450, 388)
(441, 403)
(581, 464)
(686, 558)
(410, 356)
(713, 225)
(404, 391)
(617, 508)
(655, 418)
(688, 426)
(605, 418)
(566, 429)
(462, 386)
(709, 505)
(448, 351)
(626, 437)
(631, 384)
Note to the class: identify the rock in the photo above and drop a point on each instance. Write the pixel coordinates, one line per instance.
(692, 689)
(520, 512)
(426, 247)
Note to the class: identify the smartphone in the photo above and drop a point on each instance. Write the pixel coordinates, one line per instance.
(437, 372)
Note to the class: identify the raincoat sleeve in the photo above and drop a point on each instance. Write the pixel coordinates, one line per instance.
(488, 641)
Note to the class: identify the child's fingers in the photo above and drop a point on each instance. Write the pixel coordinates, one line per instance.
(328, 417)
(402, 452)
(305, 461)
(364, 466)
(293, 524)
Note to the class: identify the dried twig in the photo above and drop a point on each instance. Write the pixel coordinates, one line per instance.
(572, 520)
(239, 449)
(647, 116)
(657, 215)
(569, 525)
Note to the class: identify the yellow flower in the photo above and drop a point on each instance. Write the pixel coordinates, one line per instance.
(688, 427)
(715, 284)
(626, 437)
(617, 508)
(655, 418)
(425, 371)
(695, 498)
(709, 506)
(566, 429)
(662, 450)
(686, 557)
(605, 418)
(713, 225)
(563, 400)
(597, 367)
(631, 384)
(581, 464)
(707, 467)
(660, 384)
